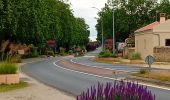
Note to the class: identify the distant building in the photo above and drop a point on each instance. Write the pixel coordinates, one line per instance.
(156, 34)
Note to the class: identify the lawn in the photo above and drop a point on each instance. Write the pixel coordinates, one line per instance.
(163, 76)
(6, 88)
(112, 60)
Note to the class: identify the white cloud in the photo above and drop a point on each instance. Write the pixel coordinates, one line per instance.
(83, 8)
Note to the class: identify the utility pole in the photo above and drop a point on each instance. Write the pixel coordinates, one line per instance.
(113, 30)
(113, 34)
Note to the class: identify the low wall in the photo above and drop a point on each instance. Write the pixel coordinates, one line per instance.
(9, 78)
(128, 51)
(161, 54)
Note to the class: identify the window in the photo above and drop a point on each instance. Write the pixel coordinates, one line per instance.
(167, 42)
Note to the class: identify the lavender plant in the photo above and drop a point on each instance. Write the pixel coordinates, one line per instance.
(117, 91)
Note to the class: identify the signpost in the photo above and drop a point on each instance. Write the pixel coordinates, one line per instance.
(149, 60)
(51, 43)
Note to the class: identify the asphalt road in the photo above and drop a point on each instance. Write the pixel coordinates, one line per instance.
(72, 82)
(86, 60)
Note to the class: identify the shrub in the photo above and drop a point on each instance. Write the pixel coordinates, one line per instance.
(78, 49)
(119, 59)
(92, 46)
(14, 59)
(135, 56)
(50, 53)
(8, 68)
(117, 91)
(82, 53)
(143, 71)
(70, 52)
(34, 52)
(62, 51)
(105, 53)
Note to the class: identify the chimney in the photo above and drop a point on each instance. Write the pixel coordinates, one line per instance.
(162, 17)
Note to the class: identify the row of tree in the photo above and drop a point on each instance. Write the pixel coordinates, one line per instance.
(129, 15)
(36, 21)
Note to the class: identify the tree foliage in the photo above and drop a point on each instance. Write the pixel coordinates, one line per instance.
(129, 15)
(36, 21)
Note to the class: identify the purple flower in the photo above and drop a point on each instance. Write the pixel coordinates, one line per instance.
(117, 91)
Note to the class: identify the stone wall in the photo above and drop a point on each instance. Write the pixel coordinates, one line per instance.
(161, 54)
(128, 51)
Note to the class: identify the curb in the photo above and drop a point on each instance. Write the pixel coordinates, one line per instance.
(71, 60)
(126, 80)
(131, 65)
(147, 80)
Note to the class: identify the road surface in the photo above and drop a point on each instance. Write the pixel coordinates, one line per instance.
(70, 81)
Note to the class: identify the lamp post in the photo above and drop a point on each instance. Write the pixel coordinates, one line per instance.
(113, 29)
(113, 34)
(101, 29)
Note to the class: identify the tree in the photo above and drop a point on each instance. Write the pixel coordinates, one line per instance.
(129, 16)
(36, 21)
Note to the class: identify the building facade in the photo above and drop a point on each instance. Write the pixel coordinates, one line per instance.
(156, 34)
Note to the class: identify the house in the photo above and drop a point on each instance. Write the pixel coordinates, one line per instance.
(156, 34)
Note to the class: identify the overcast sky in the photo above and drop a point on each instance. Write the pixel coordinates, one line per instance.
(83, 8)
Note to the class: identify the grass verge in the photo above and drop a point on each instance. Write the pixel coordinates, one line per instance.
(118, 60)
(163, 76)
(6, 88)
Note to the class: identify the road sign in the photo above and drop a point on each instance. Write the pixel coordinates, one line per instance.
(149, 60)
(51, 43)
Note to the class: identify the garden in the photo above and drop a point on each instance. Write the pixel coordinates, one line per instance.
(118, 90)
(107, 56)
(158, 77)
(9, 77)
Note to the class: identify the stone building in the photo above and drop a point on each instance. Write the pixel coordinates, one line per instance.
(156, 34)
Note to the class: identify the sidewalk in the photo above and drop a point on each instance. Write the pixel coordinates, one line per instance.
(159, 66)
(36, 90)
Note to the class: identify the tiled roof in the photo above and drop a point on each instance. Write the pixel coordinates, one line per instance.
(148, 27)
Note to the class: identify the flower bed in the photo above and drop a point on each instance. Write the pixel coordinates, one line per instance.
(117, 91)
(8, 73)
(9, 78)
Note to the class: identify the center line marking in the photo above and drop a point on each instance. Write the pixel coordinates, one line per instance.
(148, 85)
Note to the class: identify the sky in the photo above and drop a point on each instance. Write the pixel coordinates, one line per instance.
(83, 9)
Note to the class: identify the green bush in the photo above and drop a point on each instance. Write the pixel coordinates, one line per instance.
(135, 56)
(14, 59)
(34, 52)
(143, 71)
(50, 53)
(105, 53)
(119, 59)
(8, 68)
(70, 52)
(62, 51)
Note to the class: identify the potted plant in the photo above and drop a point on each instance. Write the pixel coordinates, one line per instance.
(9, 73)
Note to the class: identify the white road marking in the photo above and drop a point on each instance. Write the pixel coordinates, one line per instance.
(89, 56)
(83, 72)
(148, 85)
(99, 67)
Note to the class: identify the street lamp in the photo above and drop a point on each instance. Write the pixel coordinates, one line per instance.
(113, 34)
(101, 28)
